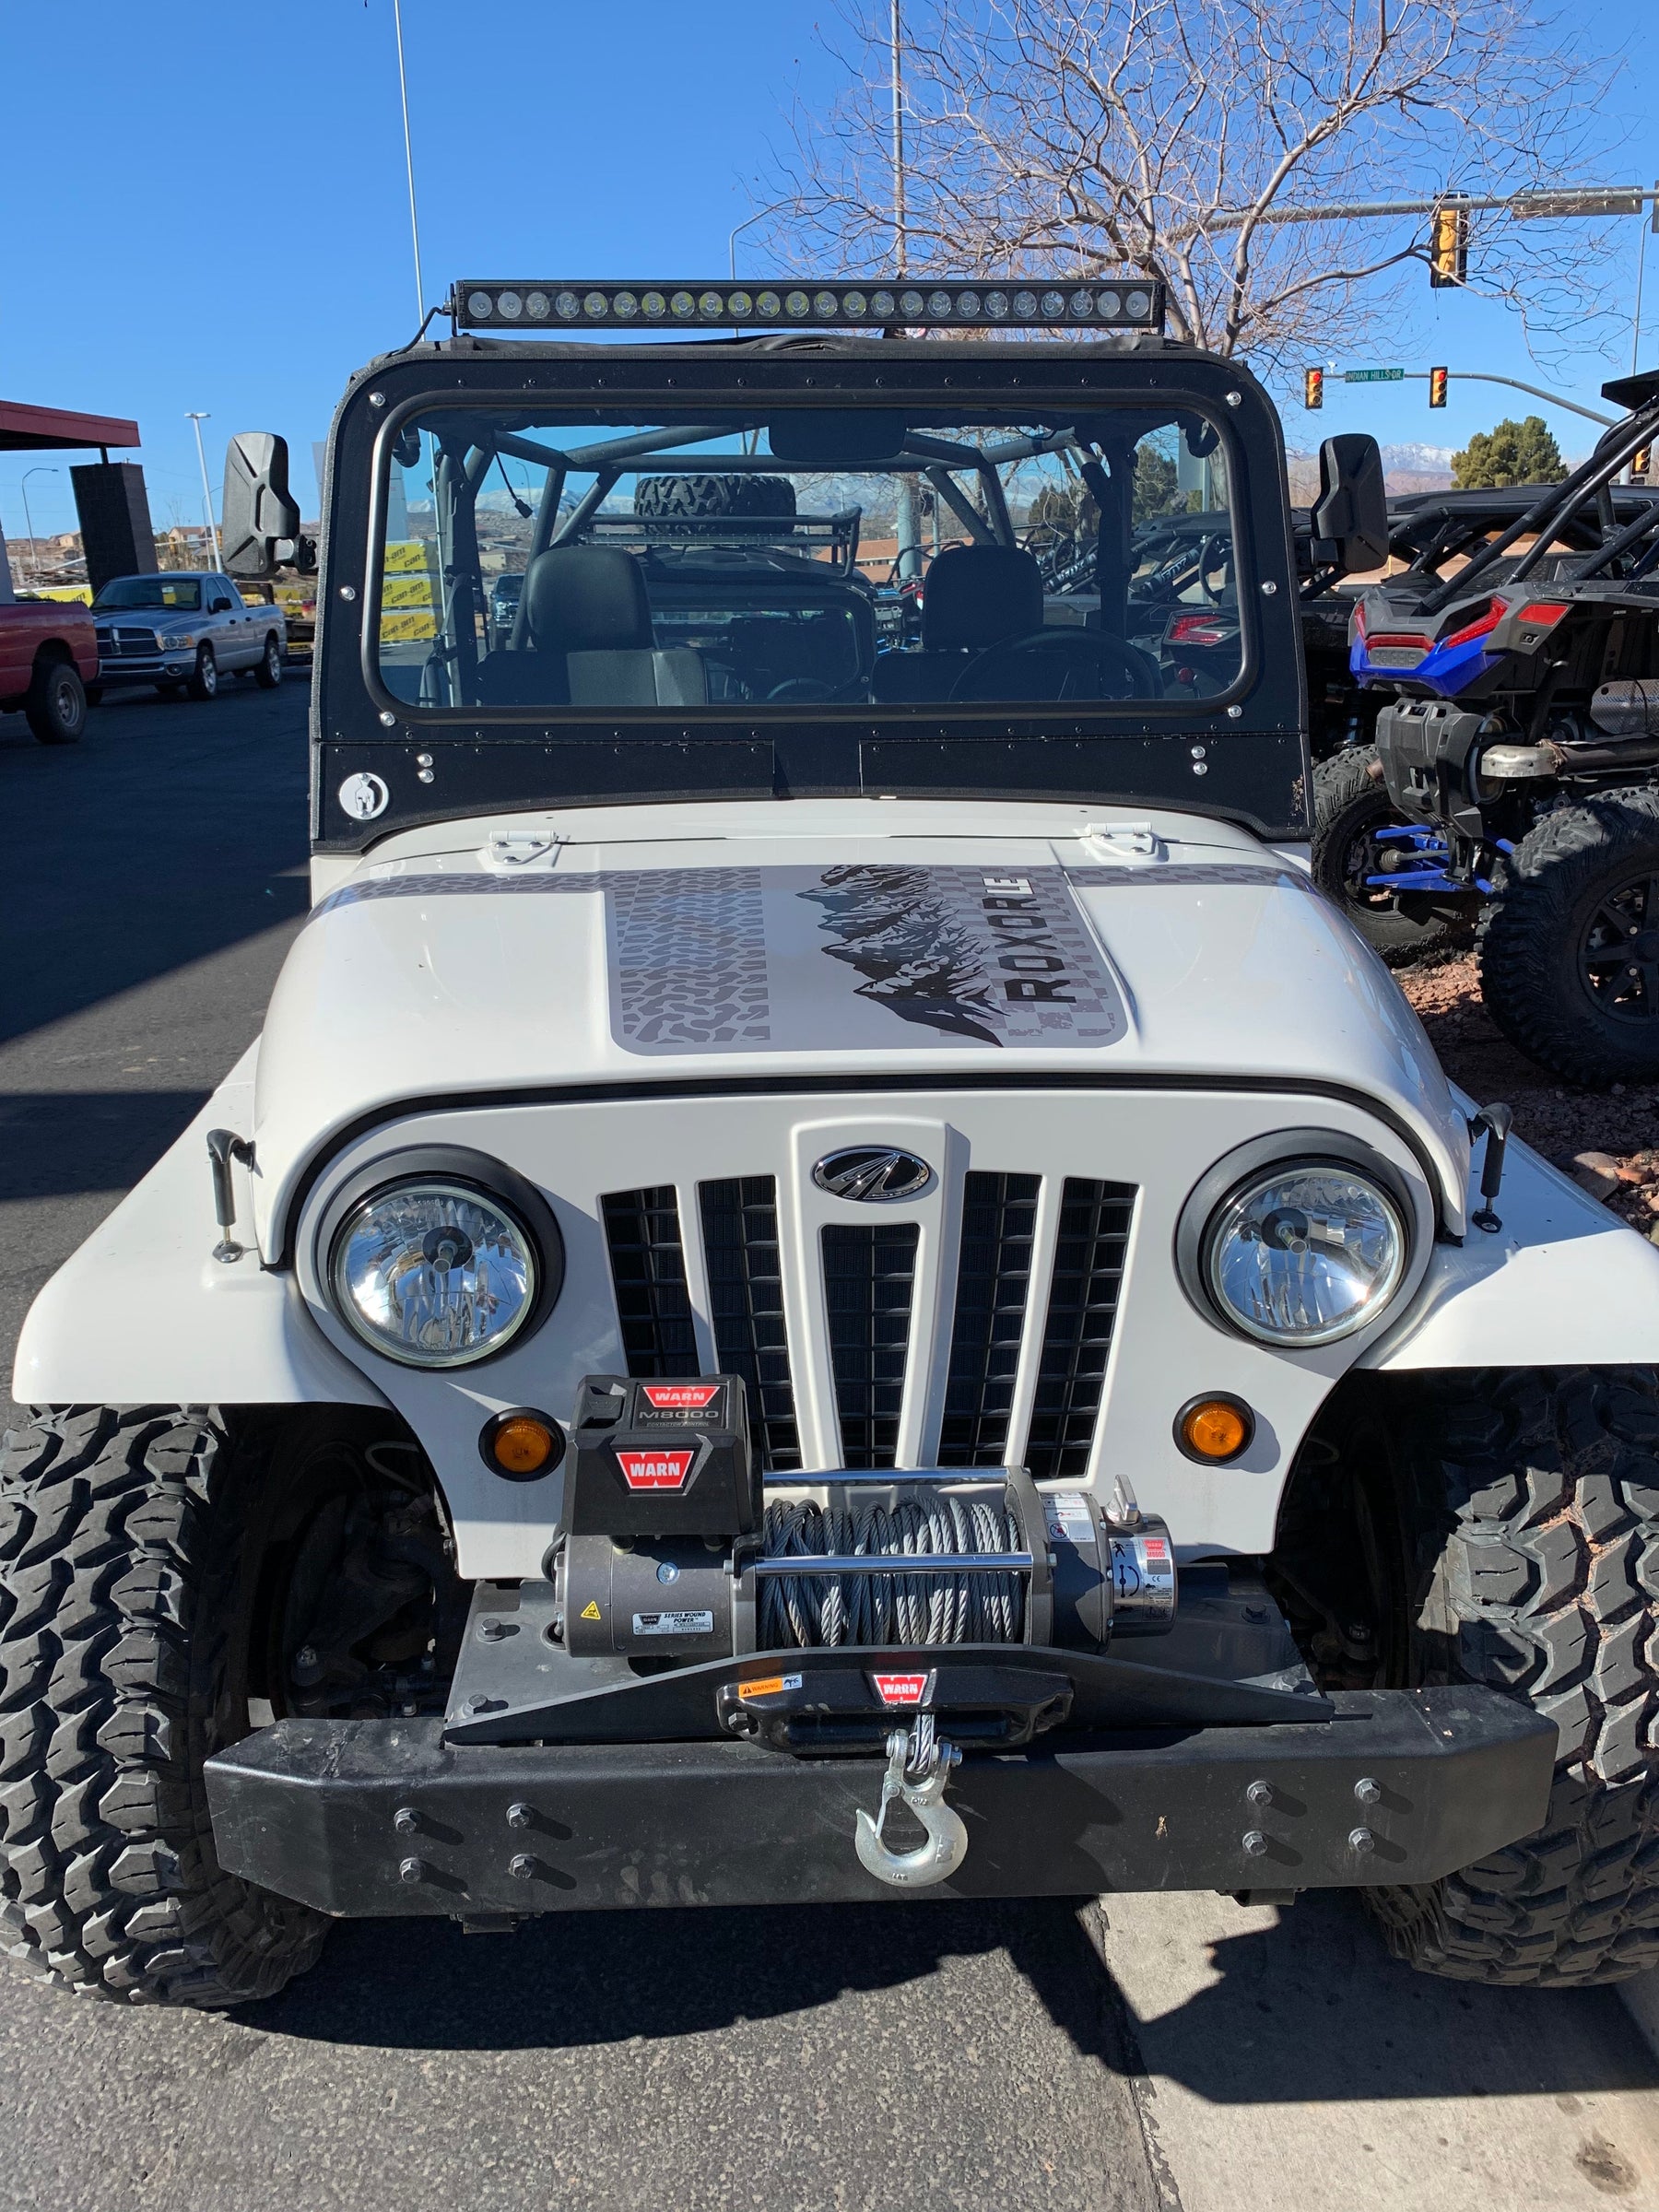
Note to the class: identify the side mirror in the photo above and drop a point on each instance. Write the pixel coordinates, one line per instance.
(1350, 516)
(261, 529)
(219, 606)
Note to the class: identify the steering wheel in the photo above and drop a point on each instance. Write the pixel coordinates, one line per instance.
(802, 688)
(995, 675)
(1222, 566)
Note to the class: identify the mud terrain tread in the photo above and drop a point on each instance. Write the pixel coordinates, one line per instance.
(1536, 1509)
(666, 497)
(1346, 789)
(118, 1596)
(1526, 944)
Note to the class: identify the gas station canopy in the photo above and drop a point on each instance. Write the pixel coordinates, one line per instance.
(54, 429)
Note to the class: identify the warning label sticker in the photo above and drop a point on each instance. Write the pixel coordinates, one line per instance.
(655, 1470)
(769, 1686)
(674, 1624)
(590, 1611)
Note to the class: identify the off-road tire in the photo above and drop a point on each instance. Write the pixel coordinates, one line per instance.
(671, 497)
(1350, 800)
(268, 673)
(55, 706)
(204, 682)
(1530, 1503)
(1534, 929)
(123, 1594)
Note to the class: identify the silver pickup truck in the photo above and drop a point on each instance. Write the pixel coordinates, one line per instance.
(182, 629)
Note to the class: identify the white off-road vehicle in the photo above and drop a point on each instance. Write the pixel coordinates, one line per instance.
(831, 1277)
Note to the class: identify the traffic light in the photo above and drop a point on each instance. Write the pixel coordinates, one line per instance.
(1449, 244)
(1640, 463)
(1437, 386)
(1312, 387)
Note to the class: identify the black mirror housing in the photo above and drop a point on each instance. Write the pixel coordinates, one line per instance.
(262, 522)
(1350, 516)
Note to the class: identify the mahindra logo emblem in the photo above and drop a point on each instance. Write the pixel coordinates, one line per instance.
(873, 1173)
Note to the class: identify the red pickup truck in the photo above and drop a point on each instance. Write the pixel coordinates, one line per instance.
(48, 657)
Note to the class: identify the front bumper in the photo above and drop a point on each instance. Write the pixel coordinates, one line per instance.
(367, 1819)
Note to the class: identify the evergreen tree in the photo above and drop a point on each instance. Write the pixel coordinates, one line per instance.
(1516, 452)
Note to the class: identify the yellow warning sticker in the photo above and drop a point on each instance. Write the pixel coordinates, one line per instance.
(768, 1685)
(591, 1610)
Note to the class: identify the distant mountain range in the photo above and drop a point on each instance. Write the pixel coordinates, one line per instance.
(1406, 467)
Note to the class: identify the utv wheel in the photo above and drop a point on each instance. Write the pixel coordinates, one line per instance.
(268, 673)
(124, 1594)
(1524, 1508)
(1351, 805)
(204, 680)
(673, 497)
(1569, 946)
(56, 704)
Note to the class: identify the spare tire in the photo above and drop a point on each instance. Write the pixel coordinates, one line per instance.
(679, 496)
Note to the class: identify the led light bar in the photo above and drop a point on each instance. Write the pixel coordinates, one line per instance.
(489, 303)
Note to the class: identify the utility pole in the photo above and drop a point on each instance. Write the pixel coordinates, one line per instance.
(403, 87)
(39, 469)
(907, 519)
(196, 420)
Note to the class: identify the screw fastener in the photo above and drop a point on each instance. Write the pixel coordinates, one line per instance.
(1254, 1841)
(522, 1867)
(1367, 1791)
(519, 1816)
(410, 1870)
(407, 1820)
(1361, 1839)
(1260, 1793)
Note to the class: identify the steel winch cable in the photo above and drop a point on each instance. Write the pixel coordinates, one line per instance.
(980, 1606)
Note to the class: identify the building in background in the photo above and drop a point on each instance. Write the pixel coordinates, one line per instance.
(110, 498)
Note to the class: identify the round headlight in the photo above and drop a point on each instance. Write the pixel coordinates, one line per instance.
(434, 1274)
(1304, 1253)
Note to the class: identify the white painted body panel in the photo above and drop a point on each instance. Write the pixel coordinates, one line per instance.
(468, 1015)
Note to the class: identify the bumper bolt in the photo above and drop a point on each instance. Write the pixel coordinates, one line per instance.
(407, 1820)
(1361, 1839)
(1260, 1793)
(519, 1816)
(1254, 1841)
(410, 1870)
(1367, 1791)
(522, 1867)
(492, 1630)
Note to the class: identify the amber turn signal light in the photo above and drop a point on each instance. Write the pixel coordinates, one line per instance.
(1214, 1429)
(521, 1444)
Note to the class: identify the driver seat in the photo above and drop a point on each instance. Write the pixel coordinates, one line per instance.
(974, 596)
(588, 618)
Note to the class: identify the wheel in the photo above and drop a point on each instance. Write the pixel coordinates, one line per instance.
(1569, 945)
(1351, 805)
(268, 673)
(681, 496)
(1506, 1524)
(56, 704)
(204, 680)
(124, 1578)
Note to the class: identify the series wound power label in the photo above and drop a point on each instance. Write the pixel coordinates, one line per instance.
(769, 1686)
(902, 1689)
(674, 1624)
(655, 1470)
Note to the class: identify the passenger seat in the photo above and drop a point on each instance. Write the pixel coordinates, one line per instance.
(974, 596)
(588, 620)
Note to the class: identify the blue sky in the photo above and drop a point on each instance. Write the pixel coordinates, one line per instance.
(206, 207)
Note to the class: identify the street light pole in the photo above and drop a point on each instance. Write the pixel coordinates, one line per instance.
(197, 418)
(907, 507)
(39, 469)
(403, 87)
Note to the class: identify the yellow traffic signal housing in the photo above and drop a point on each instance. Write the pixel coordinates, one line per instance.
(1449, 244)
(1312, 387)
(1642, 462)
(1438, 380)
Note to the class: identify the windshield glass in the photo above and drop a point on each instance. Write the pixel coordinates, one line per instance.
(181, 592)
(853, 559)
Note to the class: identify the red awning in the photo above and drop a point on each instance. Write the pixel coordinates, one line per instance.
(52, 430)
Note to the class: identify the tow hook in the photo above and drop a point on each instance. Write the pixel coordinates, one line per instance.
(919, 1766)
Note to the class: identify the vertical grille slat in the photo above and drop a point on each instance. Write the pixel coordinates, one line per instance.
(993, 1278)
(869, 1286)
(1077, 1336)
(746, 1297)
(648, 1270)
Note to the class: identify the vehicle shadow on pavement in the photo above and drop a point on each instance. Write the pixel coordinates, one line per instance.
(54, 1143)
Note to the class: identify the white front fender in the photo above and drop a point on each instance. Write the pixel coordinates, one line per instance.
(144, 1314)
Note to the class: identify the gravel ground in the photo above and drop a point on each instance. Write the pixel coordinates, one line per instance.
(1607, 1140)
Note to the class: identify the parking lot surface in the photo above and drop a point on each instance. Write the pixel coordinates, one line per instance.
(1179, 2055)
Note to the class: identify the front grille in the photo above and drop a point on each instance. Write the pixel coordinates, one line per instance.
(869, 1283)
(746, 1301)
(121, 643)
(994, 1280)
(1077, 1335)
(648, 1271)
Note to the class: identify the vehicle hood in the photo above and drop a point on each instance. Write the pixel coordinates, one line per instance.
(700, 947)
(164, 619)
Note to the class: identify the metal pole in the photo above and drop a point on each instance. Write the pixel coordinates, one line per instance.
(898, 210)
(39, 469)
(403, 87)
(196, 420)
(1481, 376)
(737, 231)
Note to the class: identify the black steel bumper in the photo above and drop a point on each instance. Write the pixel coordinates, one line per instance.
(370, 1818)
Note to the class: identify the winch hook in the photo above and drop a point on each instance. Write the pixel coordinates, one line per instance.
(918, 1770)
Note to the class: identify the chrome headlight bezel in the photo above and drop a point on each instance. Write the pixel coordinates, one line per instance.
(1286, 1152)
(488, 1180)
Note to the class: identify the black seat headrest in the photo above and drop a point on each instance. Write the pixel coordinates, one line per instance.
(587, 599)
(979, 595)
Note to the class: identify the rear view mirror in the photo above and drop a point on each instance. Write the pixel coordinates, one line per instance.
(1350, 516)
(262, 523)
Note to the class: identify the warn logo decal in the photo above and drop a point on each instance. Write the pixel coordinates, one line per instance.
(655, 1470)
(902, 1689)
(681, 1397)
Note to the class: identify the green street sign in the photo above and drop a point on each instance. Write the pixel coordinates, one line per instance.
(1373, 376)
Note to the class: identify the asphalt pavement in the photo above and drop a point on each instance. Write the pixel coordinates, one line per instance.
(1154, 2055)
